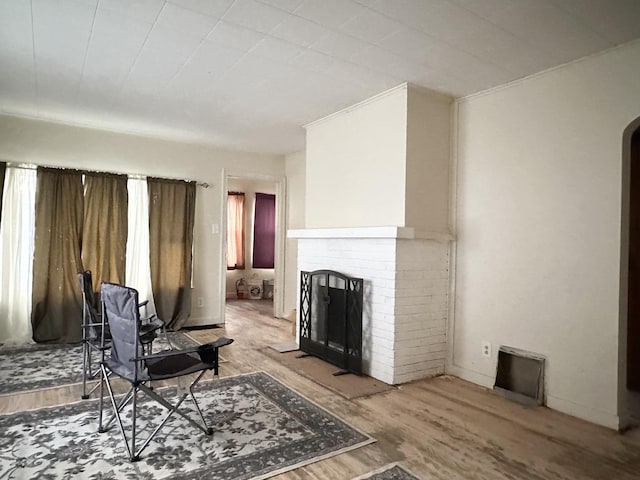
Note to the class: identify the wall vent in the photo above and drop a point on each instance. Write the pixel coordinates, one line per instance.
(520, 376)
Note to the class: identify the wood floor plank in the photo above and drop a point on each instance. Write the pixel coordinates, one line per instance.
(441, 428)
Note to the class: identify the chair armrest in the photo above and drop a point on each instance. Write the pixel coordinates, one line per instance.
(152, 320)
(221, 342)
(150, 328)
(143, 304)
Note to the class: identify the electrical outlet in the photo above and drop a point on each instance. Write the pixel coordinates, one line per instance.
(486, 349)
(200, 302)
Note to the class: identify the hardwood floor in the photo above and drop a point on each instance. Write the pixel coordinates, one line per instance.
(440, 429)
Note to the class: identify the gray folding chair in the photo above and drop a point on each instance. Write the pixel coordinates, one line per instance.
(127, 359)
(91, 327)
(92, 332)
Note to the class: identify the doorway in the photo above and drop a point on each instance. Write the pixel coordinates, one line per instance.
(255, 281)
(633, 295)
(629, 325)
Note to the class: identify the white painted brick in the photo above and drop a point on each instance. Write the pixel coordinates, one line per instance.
(420, 366)
(410, 355)
(409, 309)
(405, 300)
(383, 342)
(426, 349)
(420, 337)
(416, 375)
(382, 291)
(421, 302)
(380, 331)
(404, 332)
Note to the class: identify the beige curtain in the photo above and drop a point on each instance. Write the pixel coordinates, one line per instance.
(104, 244)
(235, 231)
(171, 218)
(58, 240)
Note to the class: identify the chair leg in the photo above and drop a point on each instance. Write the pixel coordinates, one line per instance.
(95, 387)
(133, 453)
(134, 457)
(87, 371)
(123, 403)
(208, 429)
(166, 337)
(175, 409)
(116, 413)
(102, 380)
(171, 409)
(85, 352)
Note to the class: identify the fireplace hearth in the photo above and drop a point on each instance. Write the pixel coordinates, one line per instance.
(331, 318)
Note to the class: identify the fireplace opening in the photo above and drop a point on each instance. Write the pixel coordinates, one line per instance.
(331, 318)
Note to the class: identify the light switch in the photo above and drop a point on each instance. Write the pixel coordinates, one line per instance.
(215, 228)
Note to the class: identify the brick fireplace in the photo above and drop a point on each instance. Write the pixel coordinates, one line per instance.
(405, 304)
(385, 161)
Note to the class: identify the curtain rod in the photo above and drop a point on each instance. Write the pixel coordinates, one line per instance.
(32, 166)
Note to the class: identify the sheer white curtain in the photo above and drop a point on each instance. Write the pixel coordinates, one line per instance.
(235, 230)
(138, 269)
(17, 232)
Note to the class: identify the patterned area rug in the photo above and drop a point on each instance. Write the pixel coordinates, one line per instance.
(38, 366)
(392, 471)
(262, 428)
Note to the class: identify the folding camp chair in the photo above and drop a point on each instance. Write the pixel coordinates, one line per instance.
(92, 331)
(91, 326)
(127, 359)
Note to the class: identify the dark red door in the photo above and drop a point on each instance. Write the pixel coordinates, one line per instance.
(633, 302)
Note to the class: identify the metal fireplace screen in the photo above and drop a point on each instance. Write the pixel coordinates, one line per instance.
(331, 318)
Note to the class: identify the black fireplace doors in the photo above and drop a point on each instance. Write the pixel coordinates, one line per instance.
(331, 318)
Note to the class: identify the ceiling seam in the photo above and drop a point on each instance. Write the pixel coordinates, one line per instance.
(35, 65)
(523, 39)
(332, 30)
(86, 52)
(583, 23)
(135, 61)
(445, 42)
(371, 44)
(204, 39)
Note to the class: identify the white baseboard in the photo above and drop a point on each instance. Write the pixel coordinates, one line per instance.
(470, 376)
(584, 412)
(568, 407)
(203, 321)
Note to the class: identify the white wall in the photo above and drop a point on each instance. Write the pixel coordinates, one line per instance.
(428, 160)
(356, 165)
(295, 170)
(254, 275)
(382, 162)
(538, 226)
(24, 140)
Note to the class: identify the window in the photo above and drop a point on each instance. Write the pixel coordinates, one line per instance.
(235, 231)
(264, 231)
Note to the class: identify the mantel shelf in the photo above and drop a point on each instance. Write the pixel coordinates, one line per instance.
(392, 232)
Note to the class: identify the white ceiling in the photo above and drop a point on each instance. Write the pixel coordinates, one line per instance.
(247, 74)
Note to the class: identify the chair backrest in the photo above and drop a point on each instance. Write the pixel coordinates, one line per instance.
(120, 312)
(90, 316)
